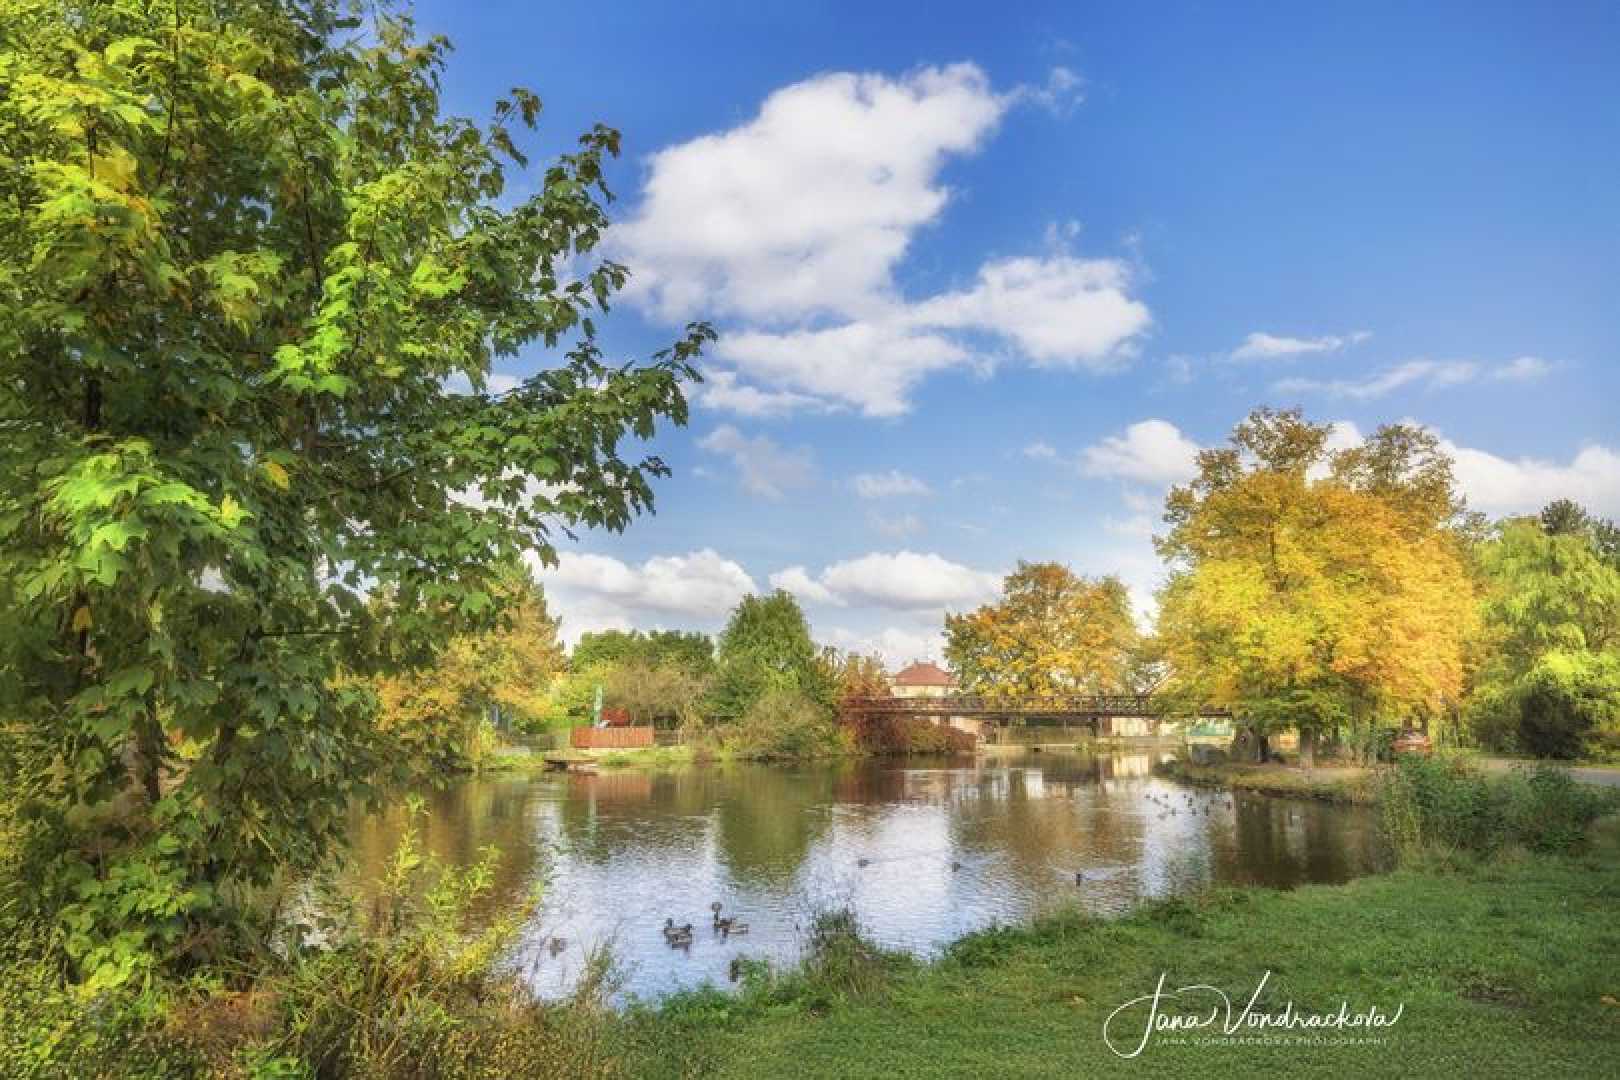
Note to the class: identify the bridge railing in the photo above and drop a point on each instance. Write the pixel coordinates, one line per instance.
(1149, 705)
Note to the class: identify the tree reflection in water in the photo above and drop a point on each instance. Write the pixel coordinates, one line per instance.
(948, 846)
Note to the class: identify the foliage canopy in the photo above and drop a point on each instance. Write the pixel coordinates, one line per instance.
(246, 259)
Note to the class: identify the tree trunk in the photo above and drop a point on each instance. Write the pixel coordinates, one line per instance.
(1307, 747)
(1248, 746)
(149, 753)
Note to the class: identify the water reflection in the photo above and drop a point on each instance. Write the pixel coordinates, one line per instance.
(924, 851)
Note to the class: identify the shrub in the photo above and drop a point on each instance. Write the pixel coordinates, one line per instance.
(888, 734)
(784, 724)
(1442, 804)
(839, 963)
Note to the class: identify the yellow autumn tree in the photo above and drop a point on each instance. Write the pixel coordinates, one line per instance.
(1052, 632)
(1315, 591)
(441, 715)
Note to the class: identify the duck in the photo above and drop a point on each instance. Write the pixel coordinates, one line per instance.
(677, 935)
(863, 862)
(955, 866)
(556, 945)
(724, 925)
(734, 927)
(735, 970)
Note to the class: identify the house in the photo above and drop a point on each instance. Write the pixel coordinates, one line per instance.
(922, 680)
(928, 680)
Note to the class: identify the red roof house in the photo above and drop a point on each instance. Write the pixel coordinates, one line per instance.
(923, 674)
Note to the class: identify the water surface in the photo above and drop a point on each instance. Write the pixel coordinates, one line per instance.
(923, 851)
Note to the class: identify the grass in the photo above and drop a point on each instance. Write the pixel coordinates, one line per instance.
(1338, 784)
(1507, 966)
(650, 757)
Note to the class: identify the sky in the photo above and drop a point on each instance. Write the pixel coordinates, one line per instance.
(988, 276)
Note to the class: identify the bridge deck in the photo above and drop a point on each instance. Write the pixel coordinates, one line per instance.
(1086, 706)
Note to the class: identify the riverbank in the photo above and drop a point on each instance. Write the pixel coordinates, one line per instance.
(1499, 967)
(1347, 784)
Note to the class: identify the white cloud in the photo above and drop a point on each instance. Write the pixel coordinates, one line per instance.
(1040, 451)
(888, 484)
(1498, 485)
(701, 584)
(1263, 346)
(763, 467)
(794, 223)
(797, 580)
(723, 391)
(809, 206)
(1141, 502)
(902, 580)
(1427, 374)
(896, 646)
(1137, 526)
(872, 366)
(1062, 92)
(898, 527)
(1150, 452)
(1523, 369)
(1059, 310)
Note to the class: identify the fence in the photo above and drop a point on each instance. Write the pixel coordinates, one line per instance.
(611, 738)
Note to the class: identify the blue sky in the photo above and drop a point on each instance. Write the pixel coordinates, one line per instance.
(987, 276)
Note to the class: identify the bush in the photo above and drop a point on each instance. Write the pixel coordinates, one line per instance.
(882, 734)
(839, 963)
(785, 724)
(405, 985)
(1441, 804)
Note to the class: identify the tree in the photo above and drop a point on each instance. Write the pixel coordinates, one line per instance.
(855, 675)
(766, 646)
(1053, 632)
(688, 650)
(246, 261)
(1551, 679)
(1566, 517)
(664, 695)
(1312, 592)
(440, 717)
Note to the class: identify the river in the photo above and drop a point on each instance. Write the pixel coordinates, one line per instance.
(924, 851)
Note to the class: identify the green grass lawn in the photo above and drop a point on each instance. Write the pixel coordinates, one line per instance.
(1506, 968)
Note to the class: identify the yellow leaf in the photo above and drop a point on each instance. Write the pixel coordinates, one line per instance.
(277, 474)
(230, 511)
(81, 618)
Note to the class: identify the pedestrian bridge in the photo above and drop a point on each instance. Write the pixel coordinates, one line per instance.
(1067, 707)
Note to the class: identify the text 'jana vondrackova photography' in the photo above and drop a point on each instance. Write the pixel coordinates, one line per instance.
(711, 540)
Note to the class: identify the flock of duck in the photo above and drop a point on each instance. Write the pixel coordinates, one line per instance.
(1169, 808)
(680, 937)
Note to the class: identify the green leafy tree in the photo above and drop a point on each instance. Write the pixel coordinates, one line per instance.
(245, 257)
(689, 650)
(1567, 517)
(766, 646)
(1550, 682)
(664, 695)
